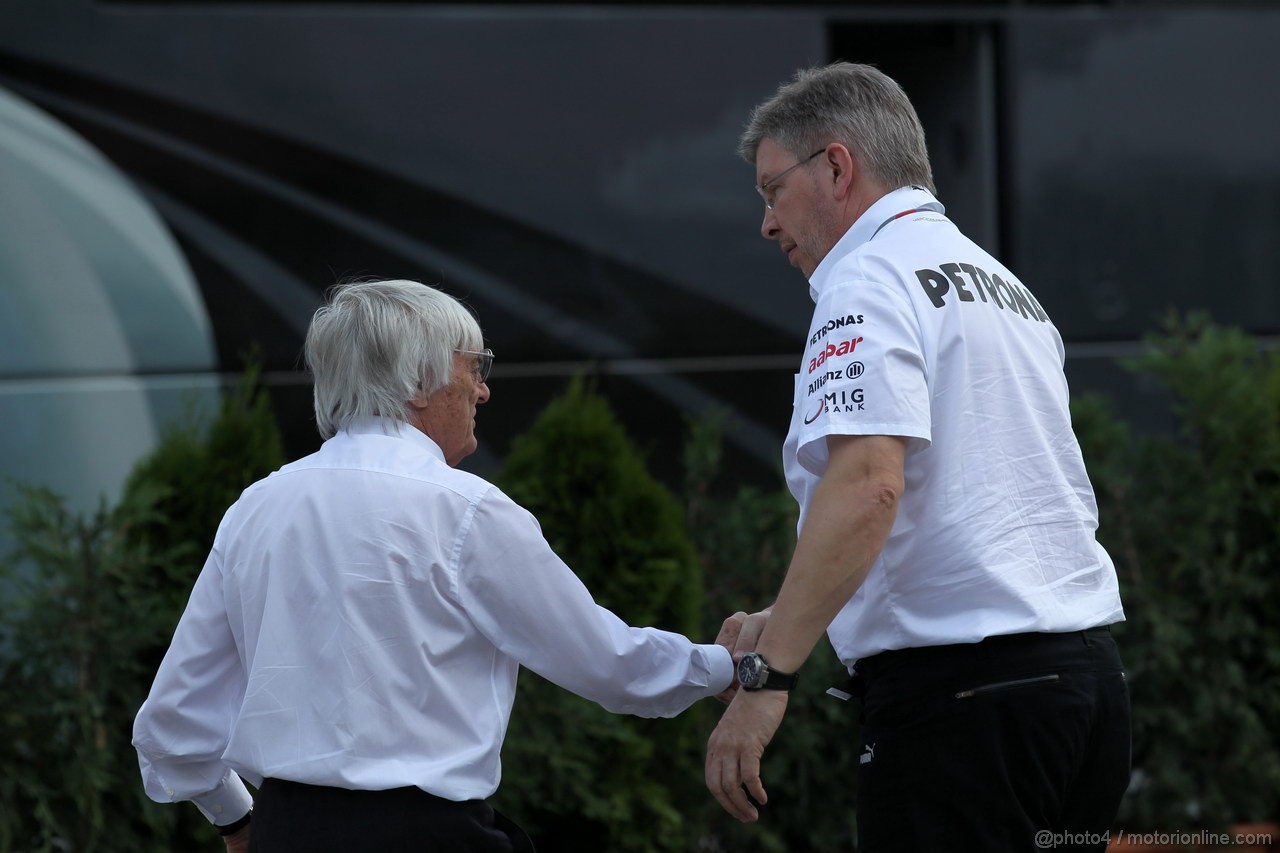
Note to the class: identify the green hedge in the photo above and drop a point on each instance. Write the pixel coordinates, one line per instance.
(1192, 520)
(92, 604)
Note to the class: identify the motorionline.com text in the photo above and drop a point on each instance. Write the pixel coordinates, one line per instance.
(1047, 840)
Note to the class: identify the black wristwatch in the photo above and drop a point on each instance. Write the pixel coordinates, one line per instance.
(754, 674)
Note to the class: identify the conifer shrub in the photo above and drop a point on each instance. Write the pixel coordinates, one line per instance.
(90, 606)
(575, 776)
(197, 471)
(201, 468)
(79, 619)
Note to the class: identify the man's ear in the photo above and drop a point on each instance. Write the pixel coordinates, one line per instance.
(844, 170)
(419, 401)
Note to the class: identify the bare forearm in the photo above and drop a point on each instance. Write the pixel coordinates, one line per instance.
(848, 522)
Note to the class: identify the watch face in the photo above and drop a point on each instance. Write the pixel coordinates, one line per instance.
(749, 670)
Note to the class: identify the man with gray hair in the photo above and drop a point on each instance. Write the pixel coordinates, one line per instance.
(947, 525)
(352, 644)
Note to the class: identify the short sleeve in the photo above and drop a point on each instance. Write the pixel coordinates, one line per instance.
(864, 370)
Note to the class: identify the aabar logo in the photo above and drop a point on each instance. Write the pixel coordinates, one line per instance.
(833, 351)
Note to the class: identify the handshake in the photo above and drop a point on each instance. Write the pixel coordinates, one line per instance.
(739, 634)
(737, 746)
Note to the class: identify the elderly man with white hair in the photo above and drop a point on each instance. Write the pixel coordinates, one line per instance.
(352, 644)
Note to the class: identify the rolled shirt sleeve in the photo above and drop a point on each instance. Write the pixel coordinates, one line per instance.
(183, 727)
(530, 605)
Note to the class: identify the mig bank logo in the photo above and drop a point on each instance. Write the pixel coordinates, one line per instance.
(845, 400)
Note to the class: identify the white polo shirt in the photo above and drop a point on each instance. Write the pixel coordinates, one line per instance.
(920, 333)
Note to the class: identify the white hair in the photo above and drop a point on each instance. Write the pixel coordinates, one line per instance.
(375, 345)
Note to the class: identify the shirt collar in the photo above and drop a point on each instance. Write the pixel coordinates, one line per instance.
(395, 429)
(866, 226)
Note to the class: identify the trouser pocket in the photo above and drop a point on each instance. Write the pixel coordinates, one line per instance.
(1005, 685)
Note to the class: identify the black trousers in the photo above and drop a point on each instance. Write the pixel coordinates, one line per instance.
(1018, 743)
(290, 817)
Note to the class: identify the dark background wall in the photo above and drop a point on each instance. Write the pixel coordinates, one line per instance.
(569, 170)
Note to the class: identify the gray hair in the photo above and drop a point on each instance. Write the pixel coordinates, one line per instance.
(855, 105)
(375, 345)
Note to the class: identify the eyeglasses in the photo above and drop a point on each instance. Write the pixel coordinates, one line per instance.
(484, 362)
(762, 188)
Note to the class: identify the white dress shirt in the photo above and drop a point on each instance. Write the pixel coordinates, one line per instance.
(917, 332)
(360, 622)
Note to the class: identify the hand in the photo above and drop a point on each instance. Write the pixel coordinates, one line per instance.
(730, 630)
(238, 841)
(728, 637)
(749, 634)
(736, 747)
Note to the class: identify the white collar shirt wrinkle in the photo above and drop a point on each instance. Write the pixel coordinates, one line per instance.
(360, 623)
(995, 532)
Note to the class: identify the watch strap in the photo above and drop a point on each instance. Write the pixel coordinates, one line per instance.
(775, 680)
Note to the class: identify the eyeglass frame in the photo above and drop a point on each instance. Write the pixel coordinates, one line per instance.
(760, 188)
(486, 362)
